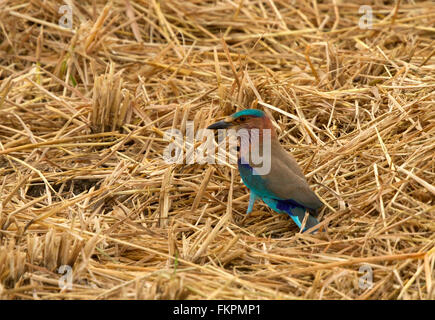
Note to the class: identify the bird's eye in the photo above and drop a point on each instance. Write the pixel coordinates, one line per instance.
(242, 118)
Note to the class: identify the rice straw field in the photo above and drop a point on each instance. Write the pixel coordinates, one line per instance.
(89, 208)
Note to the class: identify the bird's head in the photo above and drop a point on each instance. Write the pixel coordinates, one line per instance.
(245, 119)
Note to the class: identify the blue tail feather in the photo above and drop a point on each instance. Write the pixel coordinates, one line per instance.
(290, 207)
(293, 209)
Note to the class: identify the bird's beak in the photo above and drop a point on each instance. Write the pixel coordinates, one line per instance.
(220, 125)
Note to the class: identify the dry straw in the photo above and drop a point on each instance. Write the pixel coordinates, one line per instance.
(83, 182)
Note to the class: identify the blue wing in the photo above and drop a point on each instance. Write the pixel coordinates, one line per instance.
(257, 186)
(254, 182)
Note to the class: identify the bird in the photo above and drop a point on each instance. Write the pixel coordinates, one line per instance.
(284, 187)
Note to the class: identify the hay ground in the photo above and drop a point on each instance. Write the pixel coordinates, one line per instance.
(83, 182)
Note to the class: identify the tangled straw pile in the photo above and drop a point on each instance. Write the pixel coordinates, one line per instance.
(83, 183)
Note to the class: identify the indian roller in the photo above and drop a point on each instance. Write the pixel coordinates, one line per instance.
(283, 187)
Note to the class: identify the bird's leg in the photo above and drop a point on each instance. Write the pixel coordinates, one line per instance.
(252, 198)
